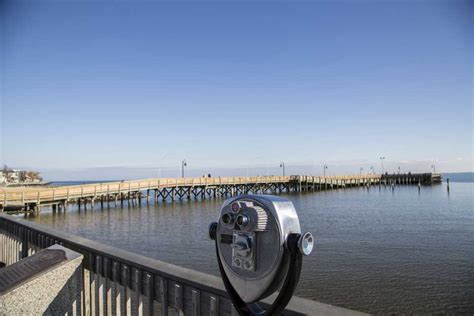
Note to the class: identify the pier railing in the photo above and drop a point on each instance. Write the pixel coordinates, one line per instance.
(22, 196)
(118, 282)
(78, 191)
(193, 187)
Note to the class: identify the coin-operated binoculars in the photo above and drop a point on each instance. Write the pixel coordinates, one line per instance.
(259, 248)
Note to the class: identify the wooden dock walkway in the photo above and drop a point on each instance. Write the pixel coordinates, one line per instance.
(134, 191)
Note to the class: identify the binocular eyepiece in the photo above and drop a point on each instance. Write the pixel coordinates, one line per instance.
(231, 219)
(259, 248)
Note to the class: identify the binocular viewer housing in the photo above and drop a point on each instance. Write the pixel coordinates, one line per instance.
(259, 246)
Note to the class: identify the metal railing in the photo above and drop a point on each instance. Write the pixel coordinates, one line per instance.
(118, 282)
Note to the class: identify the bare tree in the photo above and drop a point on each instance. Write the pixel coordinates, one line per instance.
(7, 172)
(22, 176)
(34, 175)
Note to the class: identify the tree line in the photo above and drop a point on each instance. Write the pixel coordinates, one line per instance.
(23, 175)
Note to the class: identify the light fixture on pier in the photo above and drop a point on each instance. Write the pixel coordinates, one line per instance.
(324, 169)
(282, 165)
(183, 164)
(382, 159)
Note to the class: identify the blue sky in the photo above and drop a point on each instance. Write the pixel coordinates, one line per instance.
(105, 84)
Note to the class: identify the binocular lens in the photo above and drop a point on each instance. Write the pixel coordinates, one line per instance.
(226, 218)
(242, 220)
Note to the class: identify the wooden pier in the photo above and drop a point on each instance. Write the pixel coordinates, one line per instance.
(139, 191)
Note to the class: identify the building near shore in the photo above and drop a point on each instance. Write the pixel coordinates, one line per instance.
(8, 176)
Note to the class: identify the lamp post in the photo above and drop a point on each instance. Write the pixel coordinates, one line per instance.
(398, 169)
(183, 164)
(360, 171)
(324, 169)
(282, 165)
(372, 168)
(434, 168)
(382, 159)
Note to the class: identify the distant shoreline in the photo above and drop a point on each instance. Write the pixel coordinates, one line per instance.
(67, 183)
(24, 184)
(53, 183)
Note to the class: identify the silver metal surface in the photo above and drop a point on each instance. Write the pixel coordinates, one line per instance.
(254, 261)
(243, 252)
(305, 243)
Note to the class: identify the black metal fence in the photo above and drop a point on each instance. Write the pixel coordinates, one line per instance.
(118, 282)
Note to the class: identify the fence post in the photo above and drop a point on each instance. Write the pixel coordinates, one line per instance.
(24, 242)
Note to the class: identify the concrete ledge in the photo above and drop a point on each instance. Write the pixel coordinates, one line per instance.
(51, 290)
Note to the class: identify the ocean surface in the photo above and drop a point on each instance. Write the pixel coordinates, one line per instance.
(377, 250)
(68, 183)
(459, 177)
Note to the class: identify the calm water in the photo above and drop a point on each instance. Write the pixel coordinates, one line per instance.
(376, 251)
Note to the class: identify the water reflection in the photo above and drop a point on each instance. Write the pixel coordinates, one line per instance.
(392, 250)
